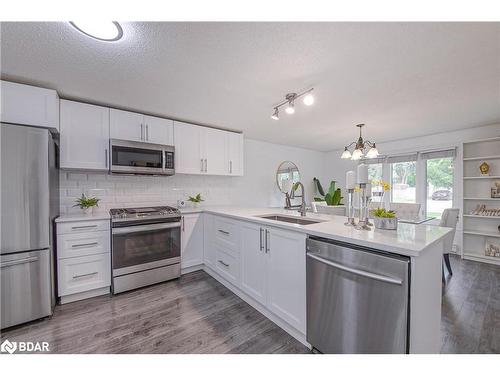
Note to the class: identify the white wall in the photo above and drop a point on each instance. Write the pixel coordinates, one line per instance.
(256, 188)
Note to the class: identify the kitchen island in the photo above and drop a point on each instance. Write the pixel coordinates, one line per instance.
(264, 262)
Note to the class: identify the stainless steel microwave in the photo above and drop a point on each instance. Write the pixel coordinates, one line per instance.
(130, 157)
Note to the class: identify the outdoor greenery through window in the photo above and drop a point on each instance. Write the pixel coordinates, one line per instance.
(439, 185)
(403, 182)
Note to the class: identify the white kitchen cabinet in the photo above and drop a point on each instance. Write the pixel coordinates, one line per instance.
(29, 105)
(84, 139)
(126, 125)
(286, 272)
(208, 241)
(214, 151)
(234, 153)
(253, 261)
(159, 130)
(192, 240)
(132, 126)
(201, 150)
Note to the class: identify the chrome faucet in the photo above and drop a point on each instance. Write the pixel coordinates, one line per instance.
(302, 208)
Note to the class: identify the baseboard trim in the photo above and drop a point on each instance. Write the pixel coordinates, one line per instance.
(84, 295)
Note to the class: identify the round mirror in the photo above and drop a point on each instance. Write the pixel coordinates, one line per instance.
(287, 175)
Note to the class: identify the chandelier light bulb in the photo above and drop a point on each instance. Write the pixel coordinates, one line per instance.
(372, 153)
(357, 154)
(309, 99)
(346, 154)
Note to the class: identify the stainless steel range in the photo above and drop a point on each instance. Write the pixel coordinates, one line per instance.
(146, 246)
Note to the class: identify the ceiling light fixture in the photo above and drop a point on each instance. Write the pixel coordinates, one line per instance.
(359, 148)
(275, 115)
(289, 101)
(107, 31)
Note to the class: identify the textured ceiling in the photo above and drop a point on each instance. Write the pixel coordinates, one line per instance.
(401, 79)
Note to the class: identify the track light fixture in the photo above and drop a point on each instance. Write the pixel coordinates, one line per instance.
(289, 102)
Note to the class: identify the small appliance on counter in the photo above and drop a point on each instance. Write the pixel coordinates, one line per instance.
(145, 246)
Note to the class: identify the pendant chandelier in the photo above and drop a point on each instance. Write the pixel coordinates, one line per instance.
(360, 148)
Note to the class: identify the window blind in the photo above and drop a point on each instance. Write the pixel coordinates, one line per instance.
(373, 161)
(439, 154)
(402, 158)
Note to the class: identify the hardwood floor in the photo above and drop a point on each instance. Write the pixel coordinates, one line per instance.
(196, 314)
(470, 318)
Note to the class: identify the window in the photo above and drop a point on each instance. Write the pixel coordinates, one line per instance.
(439, 183)
(375, 173)
(403, 181)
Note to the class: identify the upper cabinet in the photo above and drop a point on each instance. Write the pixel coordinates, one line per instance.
(29, 105)
(202, 150)
(134, 126)
(84, 140)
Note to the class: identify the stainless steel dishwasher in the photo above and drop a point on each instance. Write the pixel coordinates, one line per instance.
(357, 299)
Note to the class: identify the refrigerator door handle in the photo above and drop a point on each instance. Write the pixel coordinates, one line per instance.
(356, 271)
(18, 261)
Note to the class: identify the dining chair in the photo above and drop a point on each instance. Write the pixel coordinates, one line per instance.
(449, 219)
(405, 210)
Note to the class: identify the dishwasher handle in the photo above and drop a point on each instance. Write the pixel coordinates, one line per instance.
(356, 271)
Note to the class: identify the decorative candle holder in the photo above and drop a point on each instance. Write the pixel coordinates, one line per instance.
(350, 208)
(363, 223)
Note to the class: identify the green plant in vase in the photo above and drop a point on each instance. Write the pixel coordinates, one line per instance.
(332, 198)
(87, 203)
(196, 200)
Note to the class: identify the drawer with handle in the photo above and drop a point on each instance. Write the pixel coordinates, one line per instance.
(227, 265)
(226, 233)
(82, 274)
(81, 244)
(83, 226)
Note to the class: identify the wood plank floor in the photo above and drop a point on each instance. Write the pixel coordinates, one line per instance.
(196, 314)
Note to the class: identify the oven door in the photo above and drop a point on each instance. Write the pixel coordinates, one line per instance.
(141, 247)
(138, 158)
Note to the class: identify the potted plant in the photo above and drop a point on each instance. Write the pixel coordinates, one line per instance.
(385, 219)
(87, 203)
(196, 200)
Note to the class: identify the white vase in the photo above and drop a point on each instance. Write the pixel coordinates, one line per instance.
(87, 210)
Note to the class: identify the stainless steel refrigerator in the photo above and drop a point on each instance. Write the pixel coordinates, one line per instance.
(29, 204)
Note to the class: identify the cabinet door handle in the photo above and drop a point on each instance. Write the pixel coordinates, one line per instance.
(147, 132)
(85, 274)
(224, 232)
(142, 132)
(261, 241)
(84, 227)
(183, 224)
(230, 166)
(268, 242)
(18, 261)
(224, 264)
(86, 244)
(106, 157)
(206, 165)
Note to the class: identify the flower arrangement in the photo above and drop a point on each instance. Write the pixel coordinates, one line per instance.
(384, 184)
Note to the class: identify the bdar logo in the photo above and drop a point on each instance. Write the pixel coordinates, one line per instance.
(8, 346)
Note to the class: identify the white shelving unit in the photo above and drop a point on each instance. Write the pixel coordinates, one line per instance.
(476, 190)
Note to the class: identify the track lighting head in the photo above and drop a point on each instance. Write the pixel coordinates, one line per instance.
(275, 115)
(290, 109)
(308, 99)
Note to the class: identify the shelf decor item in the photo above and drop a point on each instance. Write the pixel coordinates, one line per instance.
(495, 190)
(492, 249)
(484, 169)
(481, 210)
(87, 203)
(385, 219)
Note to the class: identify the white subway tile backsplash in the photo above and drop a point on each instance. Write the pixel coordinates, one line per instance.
(129, 191)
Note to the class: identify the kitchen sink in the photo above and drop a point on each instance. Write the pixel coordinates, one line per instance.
(291, 219)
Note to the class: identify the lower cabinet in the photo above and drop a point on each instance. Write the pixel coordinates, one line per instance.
(270, 267)
(83, 259)
(192, 240)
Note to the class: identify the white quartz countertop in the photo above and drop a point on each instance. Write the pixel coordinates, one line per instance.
(408, 239)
